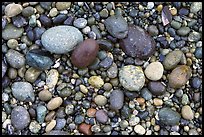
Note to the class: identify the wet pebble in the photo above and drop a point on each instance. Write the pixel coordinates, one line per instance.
(101, 116)
(116, 99)
(198, 53)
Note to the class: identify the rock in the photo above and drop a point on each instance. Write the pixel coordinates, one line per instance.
(13, 9)
(38, 31)
(146, 94)
(44, 95)
(179, 76)
(175, 24)
(28, 11)
(85, 129)
(185, 99)
(50, 126)
(105, 44)
(132, 77)
(91, 112)
(196, 82)
(46, 5)
(172, 59)
(112, 72)
(56, 132)
(101, 116)
(103, 13)
(117, 26)
(187, 112)
(138, 43)
(153, 31)
(156, 88)
(54, 103)
(100, 100)
(60, 123)
(34, 127)
(168, 116)
(12, 32)
(85, 53)
(23, 91)
(32, 74)
(198, 53)
(116, 99)
(96, 31)
(20, 117)
(39, 59)
(194, 36)
(139, 129)
(19, 21)
(59, 19)
(80, 23)
(41, 112)
(52, 78)
(61, 39)
(96, 81)
(183, 31)
(157, 102)
(78, 119)
(45, 20)
(195, 7)
(107, 62)
(4, 68)
(154, 71)
(63, 5)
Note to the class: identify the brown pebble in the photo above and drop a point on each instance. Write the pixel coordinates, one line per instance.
(85, 129)
(44, 95)
(91, 112)
(50, 116)
(54, 103)
(50, 126)
(141, 101)
(157, 102)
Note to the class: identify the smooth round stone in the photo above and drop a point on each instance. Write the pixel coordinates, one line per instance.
(107, 62)
(187, 112)
(60, 123)
(150, 5)
(146, 94)
(54, 103)
(80, 23)
(12, 43)
(28, 11)
(168, 116)
(61, 39)
(156, 88)
(116, 99)
(96, 81)
(138, 43)
(63, 5)
(41, 112)
(198, 53)
(91, 112)
(19, 21)
(39, 59)
(153, 31)
(112, 72)
(101, 116)
(139, 129)
(34, 127)
(79, 119)
(100, 100)
(65, 92)
(196, 82)
(195, 7)
(179, 76)
(85, 129)
(85, 53)
(56, 132)
(4, 68)
(59, 19)
(183, 31)
(32, 74)
(183, 11)
(117, 26)
(105, 44)
(185, 99)
(13, 9)
(20, 118)
(23, 91)
(32, 21)
(12, 32)
(194, 36)
(132, 77)
(172, 59)
(50, 126)
(175, 24)
(12, 73)
(52, 78)
(154, 71)
(103, 13)
(44, 95)
(45, 20)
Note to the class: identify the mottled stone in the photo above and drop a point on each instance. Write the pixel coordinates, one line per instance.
(96, 81)
(12, 32)
(13, 9)
(101, 116)
(156, 88)
(116, 99)
(52, 78)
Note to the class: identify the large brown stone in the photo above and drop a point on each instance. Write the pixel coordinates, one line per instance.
(138, 43)
(85, 53)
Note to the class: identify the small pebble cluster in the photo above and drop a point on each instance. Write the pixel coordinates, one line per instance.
(102, 68)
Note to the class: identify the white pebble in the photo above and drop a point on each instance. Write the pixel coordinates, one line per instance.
(139, 129)
(150, 5)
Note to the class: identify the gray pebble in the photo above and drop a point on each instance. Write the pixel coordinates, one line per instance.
(41, 112)
(60, 123)
(146, 94)
(12, 32)
(183, 31)
(80, 23)
(101, 116)
(116, 99)
(112, 72)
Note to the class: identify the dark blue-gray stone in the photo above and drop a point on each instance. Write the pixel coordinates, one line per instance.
(38, 31)
(116, 99)
(79, 119)
(106, 63)
(45, 20)
(146, 94)
(196, 82)
(19, 21)
(41, 112)
(169, 117)
(59, 19)
(39, 59)
(198, 53)
(60, 123)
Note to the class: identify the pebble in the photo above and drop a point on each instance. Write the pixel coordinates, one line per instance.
(196, 82)
(69, 109)
(63, 5)
(132, 77)
(185, 99)
(56, 132)
(198, 53)
(194, 36)
(150, 5)
(168, 116)
(61, 39)
(133, 120)
(157, 102)
(183, 31)
(32, 74)
(153, 31)
(146, 94)
(83, 89)
(52, 78)
(104, 13)
(85, 53)
(100, 100)
(172, 59)
(116, 99)
(54, 103)
(23, 91)
(60, 123)
(112, 72)
(156, 88)
(50, 126)
(107, 62)
(20, 117)
(101, 116)
(46, 5)
(138, 43)
(41, 112)
(154, 71)
(187, 112)
(44, 95)
(12, 32)
(4, 68)
(193, 132)
(79, 119)
(85, 129)
(39, 59)
(96, 81)
(32, 21)
(34, 127)
(45, 20)
(175, 24)
(59, 19)
(28, 11)
(139, 129)
(179, 76)
(19, 21)
(91, 112)
(13, 9)
(195, 7)
(117, 26)
(80, 23)
(105, 44)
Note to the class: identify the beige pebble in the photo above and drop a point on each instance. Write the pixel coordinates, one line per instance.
(141, 101)
(63, 5)
(52, 78)
(44, 95)
(187, 112)
(83, 89)
(96, 81)
(12, 43)
(173, 11)
(54, 103)
(50, 116)
(50, 126)
(154, 71)
(139, 129)
(32, 74)
(53, 12)
(157, 102)
(13, 9)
